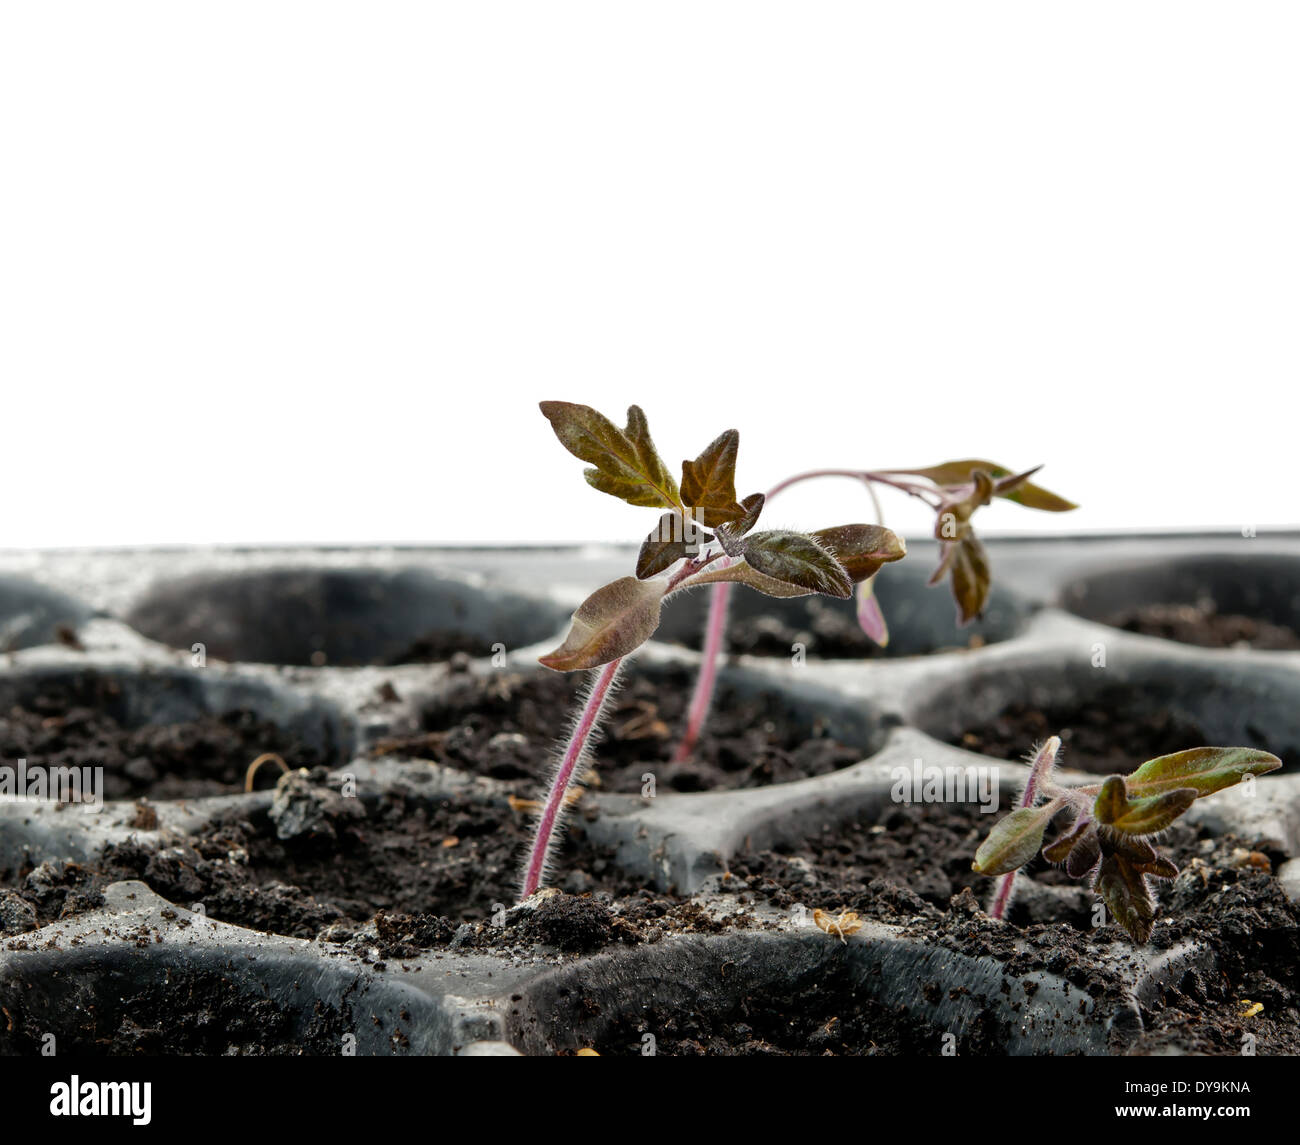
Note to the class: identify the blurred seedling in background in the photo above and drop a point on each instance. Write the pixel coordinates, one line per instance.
(954, 490)
(1111, 825)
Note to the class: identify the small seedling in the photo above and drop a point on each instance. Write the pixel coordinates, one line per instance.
(705, 535)
(954, 490)
(1111, 825)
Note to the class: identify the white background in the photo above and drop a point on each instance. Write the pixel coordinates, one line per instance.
(277, 272)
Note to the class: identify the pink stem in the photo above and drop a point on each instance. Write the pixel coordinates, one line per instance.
(705, 681)
(1043, 763)
(587, 722)
(1003, 896)
(564, 774)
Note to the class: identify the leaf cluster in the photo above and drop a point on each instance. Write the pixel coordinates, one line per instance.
(962, 487)
(1111, 824)
(624, 463)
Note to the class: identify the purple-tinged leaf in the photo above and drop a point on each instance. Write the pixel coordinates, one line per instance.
(673, 539)
(1085, 853)
(798, 560)
(731, 535)
(709, 482)
(611, 622)
(863, 550)
(742, 573)
(870, 617)
(1078, 849)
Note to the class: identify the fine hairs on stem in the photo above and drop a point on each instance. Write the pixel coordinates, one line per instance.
(569, 770)
(1039, 770)
(574, 761)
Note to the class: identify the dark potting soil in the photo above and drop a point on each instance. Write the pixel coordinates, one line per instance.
(508, 726)
(912, 868)
(1111, 733)
(404, 875)
(74, 727)
(439, 646)
(1202, 624)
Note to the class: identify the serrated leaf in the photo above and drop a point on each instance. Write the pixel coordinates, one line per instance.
(1014, 840)
(731, 534)
(1115, 807)
(799, 560)
(870, 617)
(709, 482)
(1207, 769)
(862, 549)
(955, 473)
(626, 463)
(1125, 892)
(971, 578)
(611, 622)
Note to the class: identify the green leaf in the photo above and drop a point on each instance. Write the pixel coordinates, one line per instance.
(611, 622)
(1014, 839)
(709, 482)
(799, 560)
(953, 473)
(1126, 894)
(862, 549)
(626, 463)
(1144, 816)
(1207, 769)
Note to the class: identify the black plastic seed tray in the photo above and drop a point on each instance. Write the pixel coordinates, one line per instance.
(306, 640)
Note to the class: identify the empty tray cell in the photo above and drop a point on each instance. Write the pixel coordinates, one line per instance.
(762, 730)
(164, 733)
(1112, 719)
(341, 617)
(31, 615)
(1216, 602)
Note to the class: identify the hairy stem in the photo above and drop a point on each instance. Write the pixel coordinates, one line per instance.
(588, 719)
(1039, 771)
(564, 774)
